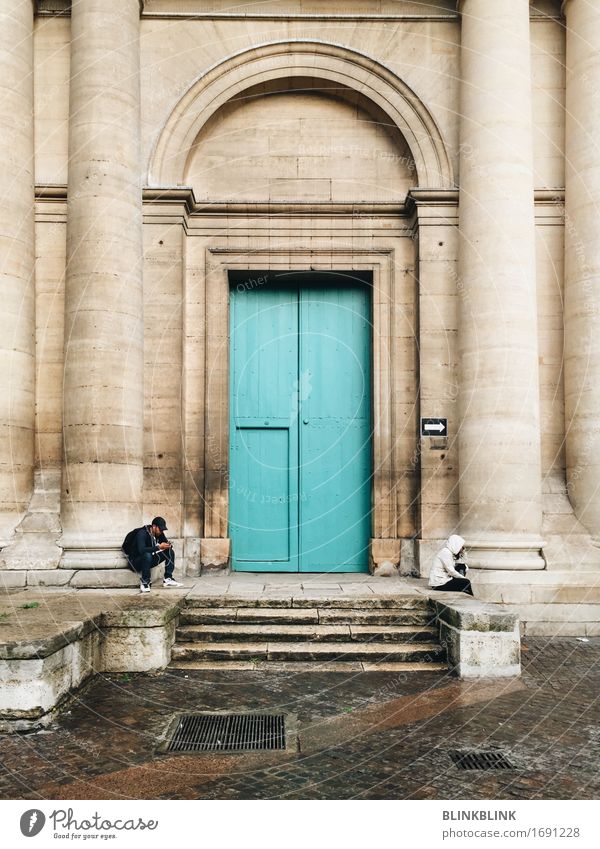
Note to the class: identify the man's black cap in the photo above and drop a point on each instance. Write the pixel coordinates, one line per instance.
(160, 523)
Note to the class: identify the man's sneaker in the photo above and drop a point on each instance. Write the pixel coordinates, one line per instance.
(169, 582)
(144, 588)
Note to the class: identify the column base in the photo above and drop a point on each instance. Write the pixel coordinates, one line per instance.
(507, 553)
(510, 553)
(214, 554)
(384, 557)
(92, 557)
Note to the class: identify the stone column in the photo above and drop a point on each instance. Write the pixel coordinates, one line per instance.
(499, 438)
(17, 339)
(582, 261)
(103, 387)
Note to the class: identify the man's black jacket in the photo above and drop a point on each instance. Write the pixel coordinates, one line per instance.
(144, 543)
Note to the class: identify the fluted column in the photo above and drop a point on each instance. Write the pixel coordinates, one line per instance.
(582, 261)
(103, 388)
(17, 339)
(499, 437)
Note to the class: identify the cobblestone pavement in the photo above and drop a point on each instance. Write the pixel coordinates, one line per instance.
(372, 735)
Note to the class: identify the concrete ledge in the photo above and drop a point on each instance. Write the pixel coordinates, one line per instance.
(52, 643)
(43, 639)
(482, 640)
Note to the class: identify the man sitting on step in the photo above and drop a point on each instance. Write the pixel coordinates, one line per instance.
(147, 547)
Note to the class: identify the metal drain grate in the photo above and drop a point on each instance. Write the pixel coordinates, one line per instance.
(480, 760)
(228, 732)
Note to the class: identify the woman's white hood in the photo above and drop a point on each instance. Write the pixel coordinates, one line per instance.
(455, 543)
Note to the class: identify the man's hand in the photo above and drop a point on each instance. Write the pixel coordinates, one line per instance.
(163, 545)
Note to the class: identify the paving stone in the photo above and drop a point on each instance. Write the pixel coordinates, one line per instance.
(388, 733)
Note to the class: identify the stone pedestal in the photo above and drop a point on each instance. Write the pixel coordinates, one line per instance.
(582, 261)
(499, 436)
(384, 557)
(482, 640)
(17, 340)
(214, 554)
(103, 377)
(34, 544)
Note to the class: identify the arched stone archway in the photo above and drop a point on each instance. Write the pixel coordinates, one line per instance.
(316, 60)
(373, 235)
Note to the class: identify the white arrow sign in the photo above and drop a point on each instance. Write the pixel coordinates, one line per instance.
(434, 426)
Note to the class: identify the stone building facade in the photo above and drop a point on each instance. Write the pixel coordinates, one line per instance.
(153, 153)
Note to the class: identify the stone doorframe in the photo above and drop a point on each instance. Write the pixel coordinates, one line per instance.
(206, 389)
(215, 545)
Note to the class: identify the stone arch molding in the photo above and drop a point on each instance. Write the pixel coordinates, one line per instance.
(316, 59)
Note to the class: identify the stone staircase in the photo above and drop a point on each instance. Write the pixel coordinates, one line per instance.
(342, 635)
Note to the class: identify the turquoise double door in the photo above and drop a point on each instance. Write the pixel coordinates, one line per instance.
(300, 423)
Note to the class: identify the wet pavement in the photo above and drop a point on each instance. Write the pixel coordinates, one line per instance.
(369, 735)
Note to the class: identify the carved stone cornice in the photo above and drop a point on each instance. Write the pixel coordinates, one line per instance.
(183, 197)
(62, 7)
(533, 14)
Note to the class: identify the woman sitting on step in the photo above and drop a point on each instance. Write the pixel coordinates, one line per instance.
(446, 570)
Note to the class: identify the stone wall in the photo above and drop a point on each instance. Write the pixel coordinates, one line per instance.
(298, 136)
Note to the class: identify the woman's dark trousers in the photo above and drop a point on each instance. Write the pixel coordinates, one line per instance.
(457, 585)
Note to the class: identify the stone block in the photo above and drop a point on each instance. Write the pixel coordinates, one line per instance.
(41, 638)
(31, 687)
(407, 564)
(93, 559)
(564, 595)
(49, 577)
(499, 593)
(86, 658)
(557, 629)
(482, 640)
(564, 614)
(10, 579)
(482, 654)
(468, 614)
(191, 557)
(138, 649)
(111, 578)
(214, 553)
(143, 612)
(383, 551)
(385, 570)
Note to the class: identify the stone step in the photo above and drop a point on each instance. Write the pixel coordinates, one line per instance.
(304, 616)
(223, 615)
(310, 632)
(273, 666)
(374, 652)
(282, 601)
(557, 620)
(424, 616)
